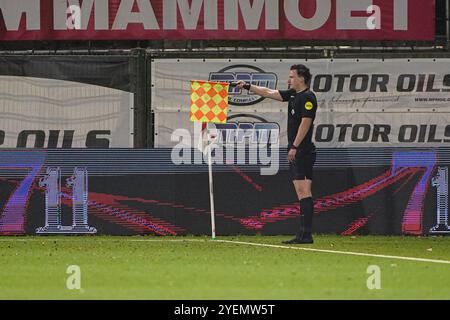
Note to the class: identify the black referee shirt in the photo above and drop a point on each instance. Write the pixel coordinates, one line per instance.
(301, 105)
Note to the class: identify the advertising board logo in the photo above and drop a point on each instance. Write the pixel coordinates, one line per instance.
(249, 74)
(249, 129)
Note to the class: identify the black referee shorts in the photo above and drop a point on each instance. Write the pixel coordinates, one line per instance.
(302, 167)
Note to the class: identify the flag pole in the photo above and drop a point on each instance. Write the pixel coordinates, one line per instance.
(205, 144)
(211, 193)
(209, 143)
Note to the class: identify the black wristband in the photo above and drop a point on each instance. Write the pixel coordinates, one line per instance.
(247, 86)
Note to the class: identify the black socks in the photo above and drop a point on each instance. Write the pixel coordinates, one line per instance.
(306, 218)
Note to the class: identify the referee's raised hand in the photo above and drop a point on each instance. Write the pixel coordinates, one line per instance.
(241, 84)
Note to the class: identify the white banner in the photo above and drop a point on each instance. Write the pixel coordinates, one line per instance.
(364, 102)
(48, 113)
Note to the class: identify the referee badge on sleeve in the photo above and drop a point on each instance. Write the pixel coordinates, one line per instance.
(309, 105)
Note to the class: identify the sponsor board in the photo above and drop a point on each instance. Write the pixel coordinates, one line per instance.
(364, 102)
(216, 19)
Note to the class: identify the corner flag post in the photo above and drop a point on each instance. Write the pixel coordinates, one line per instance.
(209, 104)
(211, 193)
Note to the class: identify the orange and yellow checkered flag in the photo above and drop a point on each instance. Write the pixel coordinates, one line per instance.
(209, 102)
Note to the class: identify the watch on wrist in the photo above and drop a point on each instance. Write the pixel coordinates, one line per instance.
(247, 86)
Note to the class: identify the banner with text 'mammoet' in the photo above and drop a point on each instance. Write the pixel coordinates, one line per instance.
(217, 19)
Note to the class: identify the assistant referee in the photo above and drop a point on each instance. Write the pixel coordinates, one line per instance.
(302, 151)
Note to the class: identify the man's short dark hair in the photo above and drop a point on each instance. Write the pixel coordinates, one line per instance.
(303, 71)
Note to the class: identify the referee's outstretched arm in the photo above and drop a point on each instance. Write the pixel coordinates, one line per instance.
(261, 91)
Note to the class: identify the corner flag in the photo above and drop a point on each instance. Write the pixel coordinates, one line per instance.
(209, 104)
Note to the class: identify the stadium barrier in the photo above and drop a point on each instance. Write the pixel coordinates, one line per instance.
(88, 146)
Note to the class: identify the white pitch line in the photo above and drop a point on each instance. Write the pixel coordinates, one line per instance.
(337, 252)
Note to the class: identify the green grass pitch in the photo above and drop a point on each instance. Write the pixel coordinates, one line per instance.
(198, 268)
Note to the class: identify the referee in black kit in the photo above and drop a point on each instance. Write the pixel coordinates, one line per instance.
(302, 152)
